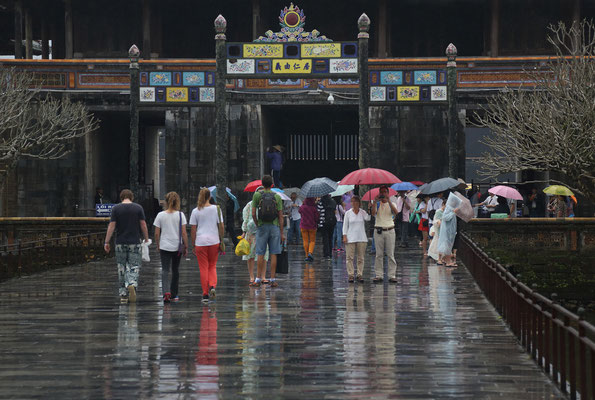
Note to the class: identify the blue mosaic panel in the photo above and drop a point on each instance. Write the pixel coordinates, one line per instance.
(391, 77)
(424, 78)
(194, 78)
(160, 79)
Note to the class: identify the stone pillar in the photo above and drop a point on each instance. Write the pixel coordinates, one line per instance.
(134, 54)
(221, 126)
(68, 30)
(45, 48)
(451, 76)
(18, 29)
(28, 34)
(494, 27)
(255, 19)
(147, 29)
(382, 29)
(363, 37)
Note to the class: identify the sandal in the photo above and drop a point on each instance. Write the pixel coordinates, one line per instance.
(350, 280)
(360, 278)
(255, 284)
(266, 281)
(274, 284)
(377, 279)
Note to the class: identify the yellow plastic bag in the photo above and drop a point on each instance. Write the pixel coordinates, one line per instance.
(243, 247)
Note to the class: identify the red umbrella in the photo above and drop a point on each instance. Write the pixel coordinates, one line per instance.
(369, 176)
(417, 183)
(252, 186)
(371, 194)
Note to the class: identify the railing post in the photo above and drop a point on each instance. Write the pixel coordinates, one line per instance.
(554, 339)
(451, 76)
(582, 354)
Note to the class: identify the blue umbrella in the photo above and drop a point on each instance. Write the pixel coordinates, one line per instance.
(236, 203)
(403, 186)
(278, 190)
(318, 187)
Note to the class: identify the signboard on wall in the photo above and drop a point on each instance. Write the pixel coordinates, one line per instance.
(103, 210)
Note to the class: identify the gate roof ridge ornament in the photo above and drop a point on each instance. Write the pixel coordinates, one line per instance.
(292, 20)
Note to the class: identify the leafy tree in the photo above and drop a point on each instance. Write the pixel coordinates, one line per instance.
(551, 126)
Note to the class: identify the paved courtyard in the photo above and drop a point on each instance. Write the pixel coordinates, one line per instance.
(433, 335)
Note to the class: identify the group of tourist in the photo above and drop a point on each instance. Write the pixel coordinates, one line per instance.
(340, 221)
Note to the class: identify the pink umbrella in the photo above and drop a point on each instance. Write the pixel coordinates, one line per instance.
(506, 192)
(371, 194)
(369, 176)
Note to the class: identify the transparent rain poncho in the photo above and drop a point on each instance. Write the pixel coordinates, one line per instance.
(448, 226)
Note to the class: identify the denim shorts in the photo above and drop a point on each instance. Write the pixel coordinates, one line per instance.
(268, 234)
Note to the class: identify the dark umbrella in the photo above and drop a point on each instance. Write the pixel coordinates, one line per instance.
(318, 187)
(440, 185)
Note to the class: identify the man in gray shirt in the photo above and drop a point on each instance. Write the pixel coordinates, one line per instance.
(128, 221)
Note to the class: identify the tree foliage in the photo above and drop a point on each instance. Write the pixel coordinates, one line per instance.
(34, 124)
(549, 126)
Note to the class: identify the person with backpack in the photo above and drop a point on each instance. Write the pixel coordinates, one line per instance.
(326, 223)
(267, 213)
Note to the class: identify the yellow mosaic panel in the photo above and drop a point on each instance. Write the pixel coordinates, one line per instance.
(265, 50)
(173, 94)
(321, 50)
(290, 66)
(408, 93)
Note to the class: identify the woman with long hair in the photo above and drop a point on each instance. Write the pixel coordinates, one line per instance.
(207, 229)
(172, 242)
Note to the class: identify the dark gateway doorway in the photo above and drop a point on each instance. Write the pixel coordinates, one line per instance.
(318, 141)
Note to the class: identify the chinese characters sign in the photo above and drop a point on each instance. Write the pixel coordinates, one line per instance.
(291, 66)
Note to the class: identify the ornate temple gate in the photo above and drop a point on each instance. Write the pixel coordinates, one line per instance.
(289, 54)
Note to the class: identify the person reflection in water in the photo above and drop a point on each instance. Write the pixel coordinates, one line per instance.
(207, 370)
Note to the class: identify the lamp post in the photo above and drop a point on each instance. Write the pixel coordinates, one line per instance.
(134, 54)
(221, 128)
(363, 23)
(451, 79)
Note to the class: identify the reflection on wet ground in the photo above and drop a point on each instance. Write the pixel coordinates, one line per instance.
(431, 335)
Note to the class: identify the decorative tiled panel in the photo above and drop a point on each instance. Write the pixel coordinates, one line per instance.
(263, 50)
(175, 94)
(424, 77)
(408, 93)
(193, 78)
(160, 78)
(241, 66)
(324, 50)
(377, 93)
(147, 94)
(391, 77)
(207, 94)
(438, 93)
(343, 66)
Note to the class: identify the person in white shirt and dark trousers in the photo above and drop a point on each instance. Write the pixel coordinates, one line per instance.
(354, 237)
(404, 208)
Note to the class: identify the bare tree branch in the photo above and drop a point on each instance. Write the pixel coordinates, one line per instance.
(36, 125)
(551, 126)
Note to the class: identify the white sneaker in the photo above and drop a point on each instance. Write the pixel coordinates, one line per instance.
(212, 293)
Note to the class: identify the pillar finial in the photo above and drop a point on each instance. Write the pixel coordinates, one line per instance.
(220, 27)
(133, 54)
(363, 23)
(451, 55)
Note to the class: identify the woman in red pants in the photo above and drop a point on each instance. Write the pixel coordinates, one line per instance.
(206, 223)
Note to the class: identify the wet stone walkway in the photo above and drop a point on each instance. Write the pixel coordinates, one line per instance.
(433, 335)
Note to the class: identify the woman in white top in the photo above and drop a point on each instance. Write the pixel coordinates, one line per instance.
(424, 226)
(206, 222)
(170, 232)
(354, 237)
